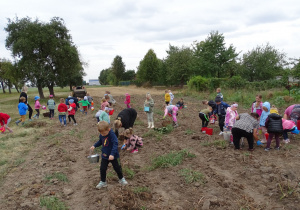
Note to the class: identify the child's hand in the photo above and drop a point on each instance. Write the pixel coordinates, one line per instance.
(92, 148)
(111, 157)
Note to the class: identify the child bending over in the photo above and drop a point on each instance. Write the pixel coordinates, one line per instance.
(133, 141)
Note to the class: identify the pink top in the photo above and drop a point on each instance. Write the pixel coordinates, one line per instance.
(103, 105)
(289, 110)
(127, 100)
(37, 104)
(258, 109)
(230, 117)
(288, 124)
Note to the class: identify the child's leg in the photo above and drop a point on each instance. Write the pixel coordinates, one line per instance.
(236, 133)
(270, 139)
(221, 122)
(103, 169)
(30, 111)
(174, 114)
(60, 118)
(65, 119)
(22, 119)
(117, 168)
(264, 131)
(73, 117)
(38, 113)
(277, 140)
(8, 121)
(285, 134)
(69, 117)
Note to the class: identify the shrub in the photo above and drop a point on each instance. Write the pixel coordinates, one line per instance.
(198, 83)
(235, 82)
(214, 83)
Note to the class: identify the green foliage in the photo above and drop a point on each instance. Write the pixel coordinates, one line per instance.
(214, 83)
(235, 82)
(58, 175)
(164, 130)
(52, 203)
(148, 68)
(117, 69)
(128, 172)
(219, 144)
(103, 77)
(198, 83)
(129, 75)
(138, 190)
(191, 176)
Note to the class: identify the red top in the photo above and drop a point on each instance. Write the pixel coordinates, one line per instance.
(62, 108)
(72, 112)
(4, 117)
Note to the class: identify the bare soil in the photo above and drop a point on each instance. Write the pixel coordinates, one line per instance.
(233, 179)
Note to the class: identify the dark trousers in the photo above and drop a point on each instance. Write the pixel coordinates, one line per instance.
(73, 117)
(37, 112)
(51, 113)
(204, 119)
(238, 134)
(285, 133)
(30, 110)
(271, 135)
(221, 122)
(116, 166)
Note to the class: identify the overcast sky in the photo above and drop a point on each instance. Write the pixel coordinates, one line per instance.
(103, 29)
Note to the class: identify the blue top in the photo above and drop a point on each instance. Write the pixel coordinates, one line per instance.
(264, 114)
(221, 108)
(109, 145)
(22, 108)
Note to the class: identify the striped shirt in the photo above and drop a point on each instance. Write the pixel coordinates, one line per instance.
(246, 123)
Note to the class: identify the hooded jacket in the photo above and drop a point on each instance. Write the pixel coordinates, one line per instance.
(109, 145)
(274, 123)
(128, 117)
(221, 108)
(264, 114)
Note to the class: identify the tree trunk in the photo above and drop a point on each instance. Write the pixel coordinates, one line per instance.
(71, 87)
(41, 93)
(9, 89)
(51, 90)
(2, 84)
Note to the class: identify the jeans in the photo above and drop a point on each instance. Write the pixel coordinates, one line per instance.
(116, 166)
(62, 118)
(285, 133)
(51, 113)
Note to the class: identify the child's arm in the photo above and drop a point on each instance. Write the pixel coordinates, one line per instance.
(114, 149)
(97, 144)
(166, 112)
(227, 117)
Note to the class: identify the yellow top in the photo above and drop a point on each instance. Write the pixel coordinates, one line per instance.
(167, 97)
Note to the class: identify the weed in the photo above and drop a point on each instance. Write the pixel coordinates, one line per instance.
(171, 159)
(152, 133)
(52, 203)
(110, 175)
(189, 132)
(138, 122)
(18, 162)
(3, 162)
(138, 190)
(286, 190)
(159, 112)
(191, 176)
(289, 147)
(220, 144)
(128, 172)
(58, 175)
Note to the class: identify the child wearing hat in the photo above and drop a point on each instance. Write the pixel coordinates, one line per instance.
(71, 111)
(51, 106)
(37, 107)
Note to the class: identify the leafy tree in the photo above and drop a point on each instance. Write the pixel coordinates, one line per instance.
(262, 63)
(129, 75)
(44, 52)
(162, 72)
(296, 68)
(9, 75)
(213, 58)
(179, 65)
(118, 69)
(148, 68)
(103, 77)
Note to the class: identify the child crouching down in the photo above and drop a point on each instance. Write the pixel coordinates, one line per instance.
(274, 127)
(110, 154)
(288, 126)
(204, 116)
(133, 141)
(172, 110)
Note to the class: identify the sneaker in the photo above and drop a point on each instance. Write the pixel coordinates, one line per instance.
(65, 125)
(17, 122)
(267, 149)
(286, 141)
(221, 133)
(30, 120)
(134, 151)
(277, 148)
(101, 185)
(75, 124)
(263, 141)
(123, 181)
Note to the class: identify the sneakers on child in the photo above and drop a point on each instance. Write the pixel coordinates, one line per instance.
(134, 151)
(221, 133)
(277, 148)
(263, 141)
(267, 149)
(123, 181)
(286, 141)
(75, 124)
(101, 185)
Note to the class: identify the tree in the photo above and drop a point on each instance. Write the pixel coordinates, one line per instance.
(129, 75)
(9, 75)
(179, 65)
(296, 68)
(262, 63)
(103, 77)
(148, 68)
(213, 59)
(118, 69)
(44, 52)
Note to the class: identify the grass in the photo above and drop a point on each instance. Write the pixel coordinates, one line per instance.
(3, 162)
(138, 122)
(18, 162)
(189, 132)
(58, 175)
(219, 143)
(171, 159)
(152, 133)
(128, 172)
(138, 190)
(52, 203)
(159, 112)
(191, 176)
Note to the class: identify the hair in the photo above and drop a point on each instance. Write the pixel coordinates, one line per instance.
(103, 100)
(166, 91)
(108, 92)
(273, 106)
(218, 89)
(24, 89)
(22, 99)
(181, 98)
(88, 94)
(103, 126)
(107, 97)
(205, 102)
(259, 96)
(128, 131)
(148, 95)
(117, 123)
(62, 100)
(169, 91)
(255, 115)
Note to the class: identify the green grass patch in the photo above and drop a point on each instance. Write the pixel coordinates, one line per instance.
(171, 159)
(138, 190)
(191, 176)
(152, 133)
(58, 175)
(288, 147)
(159, 112)
(18, 162)
(138, 122)
(189, 132)
(52, 203)
(3, 162)
(128, 172)
(219, 144)
(164, 130)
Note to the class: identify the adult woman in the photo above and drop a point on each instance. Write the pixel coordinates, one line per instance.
(246, 127)
(125, 119)
(148, 108)
(292, 113)
(24, 94)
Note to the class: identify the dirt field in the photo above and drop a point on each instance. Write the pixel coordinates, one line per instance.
(57, 167)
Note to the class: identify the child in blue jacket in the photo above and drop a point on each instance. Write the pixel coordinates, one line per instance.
(220, 109)
(22, 110)
(109, 142)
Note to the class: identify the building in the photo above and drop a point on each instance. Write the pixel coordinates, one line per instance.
(94, 82)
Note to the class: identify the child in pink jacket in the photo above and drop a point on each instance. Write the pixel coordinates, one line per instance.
(37, 107)
(230, 117)
(127, 100)
(288, 126)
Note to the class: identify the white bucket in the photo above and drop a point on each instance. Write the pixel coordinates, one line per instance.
(227, 135)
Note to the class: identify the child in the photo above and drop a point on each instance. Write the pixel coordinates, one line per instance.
(62, 111)
(22, 110)
(172, 111)
(133, 141)
(111, 100)
(220, 109)
(219, 93)
(97, 115)
(71, 111)
(51, 106)
(274, 126)
(231, 115)
(204, 116)
(90, 99)
(257, 105)
(109, 142)
(5, 120)
(148, 108)
(167, 97)
(37, 107)
(180, 104)
(288, 126)
(171, 97)
(263, 117)
(127, 100)
(104, 104)
(104, 115)
(85, 104)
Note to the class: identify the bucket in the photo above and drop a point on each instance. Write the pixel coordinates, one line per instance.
(93, 158)
(209, 131)
(226, 135)
(111, 112)
(203, 130)
(267, 135)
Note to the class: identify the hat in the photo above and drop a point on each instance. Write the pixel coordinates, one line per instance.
(126, 94)
(51, 96)
(218, 99)
(71, 101)
(234, 105)
(274, 111)
(85, 98)
(36, 98)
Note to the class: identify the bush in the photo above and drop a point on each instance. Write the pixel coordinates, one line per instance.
(215, 83)
(235, 82)
(124, 83)
(198, 83)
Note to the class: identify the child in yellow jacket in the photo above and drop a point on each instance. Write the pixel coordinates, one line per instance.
(167, 97)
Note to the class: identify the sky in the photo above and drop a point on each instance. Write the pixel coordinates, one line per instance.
(104, 29)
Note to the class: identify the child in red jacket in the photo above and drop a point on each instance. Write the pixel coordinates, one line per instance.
(62, 112)
(127, 100)
(71, 111)
(4, 120)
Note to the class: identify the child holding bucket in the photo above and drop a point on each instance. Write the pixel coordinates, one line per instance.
(148, 108)
(110, 154)
(172, 110)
